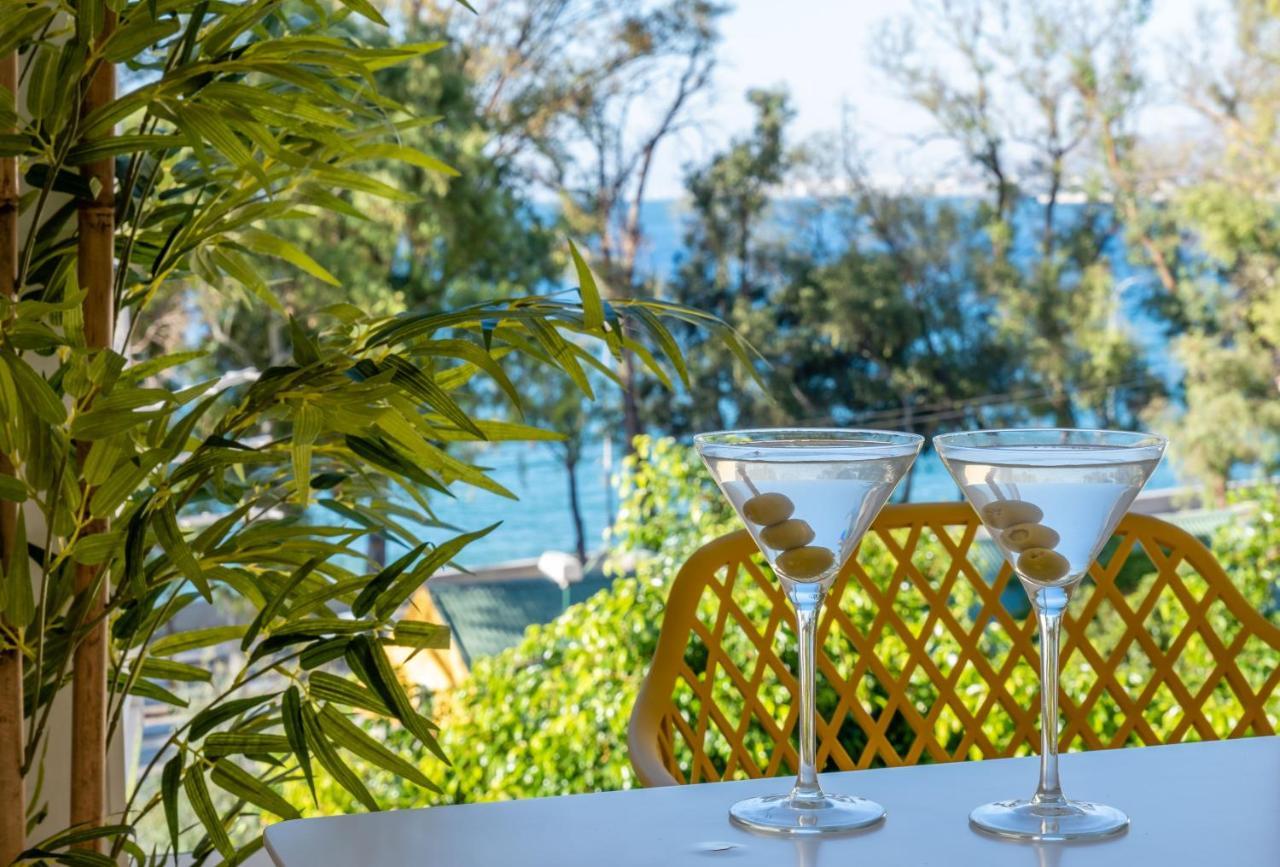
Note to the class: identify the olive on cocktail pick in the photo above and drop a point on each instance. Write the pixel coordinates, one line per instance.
(1042, 564)
(1020, 537)
(768, 509)
(807, 563)
(784, 535)
(1005, 513)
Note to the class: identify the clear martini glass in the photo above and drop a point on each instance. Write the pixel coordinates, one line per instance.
(1050, 499)
(807, 495)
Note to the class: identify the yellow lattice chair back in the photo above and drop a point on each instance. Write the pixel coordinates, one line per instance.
(926, 653)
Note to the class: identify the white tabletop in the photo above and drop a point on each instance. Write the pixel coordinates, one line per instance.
(1194, 804)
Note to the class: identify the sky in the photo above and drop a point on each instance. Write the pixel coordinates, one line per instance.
(819, 50)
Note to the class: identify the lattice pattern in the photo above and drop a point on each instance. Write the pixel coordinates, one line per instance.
(927, 654)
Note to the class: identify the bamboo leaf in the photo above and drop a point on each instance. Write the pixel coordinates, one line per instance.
(339, 690)
(170, 779)
(277, 247)
(426, 636)
(36, 392)
(229, 776)
(100, 149)
(295, 733)
(195, 638)
(269, 611)
(332, 762)
(168, 669)
(215, 715)
(165, 523)
(18, 600)
(446, 551)
(244, 743)
(13, 490)
(201, 804)
(592, 307)
(371, 665)
(351, 737)
(384, 579)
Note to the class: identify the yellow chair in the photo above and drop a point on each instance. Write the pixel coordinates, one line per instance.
(925, 654)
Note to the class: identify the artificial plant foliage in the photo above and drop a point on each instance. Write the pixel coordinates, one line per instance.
(231, 120)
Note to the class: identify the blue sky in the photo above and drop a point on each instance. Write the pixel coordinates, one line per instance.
(819, 50)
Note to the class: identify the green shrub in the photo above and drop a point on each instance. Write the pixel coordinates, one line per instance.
(549, 716)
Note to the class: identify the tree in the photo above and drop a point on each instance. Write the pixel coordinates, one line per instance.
(1007, 101)
(863, 302)
(1217, 294)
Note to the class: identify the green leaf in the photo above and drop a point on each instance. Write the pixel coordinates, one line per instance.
(380, 582)
(415, 633)
(99, 149)
(18, 601)
(331, 687)
(277, 247)
(269, 611)
(36, 392)
(170, 779)
(13, 490)
(201, 804)
(69, 838)
(231, 777)
(411, 156)
(244, 743)
(138, 34)
(306, 428)
(168, 669)
(195, 638)
(296, 734)
(368, 660)
(404, 588)
(215, 715)
(352, 738)
(365, 8)
(98, 424)
(96, 548)
(165, 523)
(426, 389)
(332, 762)
(592, 306)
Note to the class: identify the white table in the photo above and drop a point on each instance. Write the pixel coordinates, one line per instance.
(1190, 804)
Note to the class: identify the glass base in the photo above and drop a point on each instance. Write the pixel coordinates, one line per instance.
(1049, 821)
(785, 815)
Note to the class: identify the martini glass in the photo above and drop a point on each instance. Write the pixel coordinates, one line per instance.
(1050, 500)
(806, 496)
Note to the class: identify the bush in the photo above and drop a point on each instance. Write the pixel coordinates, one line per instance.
(549, 716)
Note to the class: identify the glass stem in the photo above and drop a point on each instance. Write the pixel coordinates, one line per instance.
(1050, 788)
(807, 608)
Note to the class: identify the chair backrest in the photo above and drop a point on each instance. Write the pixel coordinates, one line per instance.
(927, 654)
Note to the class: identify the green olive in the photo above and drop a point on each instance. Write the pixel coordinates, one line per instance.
(1020, 537)
(1041, 564)
(784, 535)
(1006, 513)
(768, 509)
(805, 564)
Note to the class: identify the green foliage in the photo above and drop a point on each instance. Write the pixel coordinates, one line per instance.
(549, 716)
(238, 118)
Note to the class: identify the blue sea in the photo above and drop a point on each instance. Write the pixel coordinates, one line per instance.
(541, 519)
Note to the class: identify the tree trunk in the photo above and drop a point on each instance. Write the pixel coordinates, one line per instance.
(96, 238)
(378, 549)
(575, 508)
(13, 808)
(630, 403)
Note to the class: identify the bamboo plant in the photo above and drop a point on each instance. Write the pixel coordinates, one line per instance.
(231, 117)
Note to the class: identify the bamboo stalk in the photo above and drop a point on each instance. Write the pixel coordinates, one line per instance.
(95, 269)
(13, 796)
